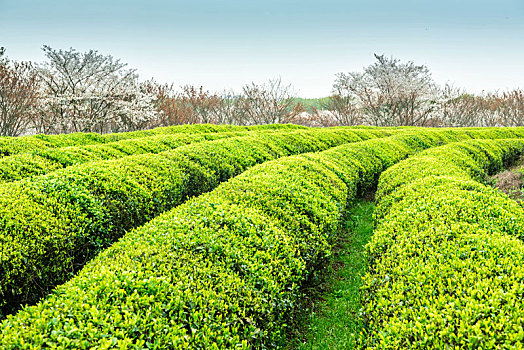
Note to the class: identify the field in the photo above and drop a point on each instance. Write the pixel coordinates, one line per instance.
(275, 236)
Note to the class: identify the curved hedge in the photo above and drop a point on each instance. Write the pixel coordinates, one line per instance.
(198, 128)
(16, 145)
(447, 254)
(44, 161)
(220, 271)
(51, 225)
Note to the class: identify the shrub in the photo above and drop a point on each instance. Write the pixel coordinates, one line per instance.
(446, 257)
(222, 270)
(15, 145)
(43, 161)
(52, 224)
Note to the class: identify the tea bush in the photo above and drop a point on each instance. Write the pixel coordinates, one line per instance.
(51, 225)
(224, 269)
(15, 145)
(446, 259)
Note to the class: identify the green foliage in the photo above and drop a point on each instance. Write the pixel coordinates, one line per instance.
(224, 269)
(447, 254)
(328, 319)
(16, 145)
(51, 225)
(43, 161)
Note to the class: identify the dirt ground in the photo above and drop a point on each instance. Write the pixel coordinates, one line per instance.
(510, 181)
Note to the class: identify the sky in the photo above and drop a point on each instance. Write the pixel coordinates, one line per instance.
(221, 45)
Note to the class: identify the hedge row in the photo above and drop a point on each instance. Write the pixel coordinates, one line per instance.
(24, 144)
(44, 161)
(197, 128)
(51, 225)
(447, 257)
(220, 271)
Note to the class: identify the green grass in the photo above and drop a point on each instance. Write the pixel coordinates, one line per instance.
(329, 319)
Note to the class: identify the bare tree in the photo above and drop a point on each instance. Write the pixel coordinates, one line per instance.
(511, 108)
(458, 108)
(339, 110)
(268, 103)
(229, 110)
(257, 104)
(202, 104)
(18, 96)
(192, 105)
(389, 92)
(488, 110)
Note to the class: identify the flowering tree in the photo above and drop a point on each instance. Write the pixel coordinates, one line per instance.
(90, 92)
(389, 92)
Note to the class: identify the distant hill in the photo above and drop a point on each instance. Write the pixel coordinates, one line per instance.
(311, 102)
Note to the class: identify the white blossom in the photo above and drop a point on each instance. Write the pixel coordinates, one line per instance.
(91, 92)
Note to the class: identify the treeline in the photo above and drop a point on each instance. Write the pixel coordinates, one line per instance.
(89, 92)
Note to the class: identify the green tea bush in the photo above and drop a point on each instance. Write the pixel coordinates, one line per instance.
(43, 161)
(224, 269)
(15, 145)
(197, 128)
(51, 225)
(446, 259)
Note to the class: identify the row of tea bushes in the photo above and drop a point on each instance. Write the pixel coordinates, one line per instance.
(223, 270)
(44, 161)
(198, 128)
(24, 144)
(447, 257)
(51, 225)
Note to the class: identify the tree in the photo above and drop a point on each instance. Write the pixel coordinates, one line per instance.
(189, 106)
(511, 108)
(18, 96)
(458, 108)
(164, 102)
(339, 110)
(91, 92)
(230, 110)
(267, 103)
(200, 105)
(390, 93)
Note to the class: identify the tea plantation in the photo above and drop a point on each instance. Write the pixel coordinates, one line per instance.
(207, 237)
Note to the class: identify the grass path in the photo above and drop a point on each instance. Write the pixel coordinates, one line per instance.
(331, 318)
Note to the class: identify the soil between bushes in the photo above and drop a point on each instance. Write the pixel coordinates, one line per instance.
(510, 181)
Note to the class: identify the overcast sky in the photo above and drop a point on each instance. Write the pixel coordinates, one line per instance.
(478, 45)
